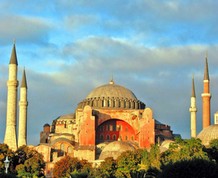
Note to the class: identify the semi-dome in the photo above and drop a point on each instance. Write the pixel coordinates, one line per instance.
(114, 149)
(112, 96)
(208, 134)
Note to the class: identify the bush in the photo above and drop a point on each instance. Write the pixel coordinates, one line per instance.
(195, 168)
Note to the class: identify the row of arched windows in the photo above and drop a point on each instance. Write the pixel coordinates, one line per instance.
(113, 102)
(114, 137)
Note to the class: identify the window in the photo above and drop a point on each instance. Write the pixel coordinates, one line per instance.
(111, 127)
(108, 137)
(108, 127)
(62, 147)
(69, 150)
(114, 137)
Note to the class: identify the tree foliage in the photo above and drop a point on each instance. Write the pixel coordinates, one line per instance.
(184, 150)
(213, 150)
(128, 162)
(107, 169)
(194, 168)
(69, 166)
(5, 151)
(29, 162)
(151, 159)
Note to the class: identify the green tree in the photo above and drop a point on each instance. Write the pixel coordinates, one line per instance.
(184, 150)
(213, 150)
(194, 168)
(150, 162)
(214, 144)
(127, 163)
(29, 163)
(107, 169)
(5, 151)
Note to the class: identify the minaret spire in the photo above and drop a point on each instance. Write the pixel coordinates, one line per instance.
(193, 110)
(13, 59)
(11, 115)
(206, 71)
(193, 87)
(206, 96)
(23, 103)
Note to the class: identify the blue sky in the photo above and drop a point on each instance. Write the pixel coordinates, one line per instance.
(70, 47)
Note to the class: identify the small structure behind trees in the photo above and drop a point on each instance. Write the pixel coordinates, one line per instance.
(183, 158)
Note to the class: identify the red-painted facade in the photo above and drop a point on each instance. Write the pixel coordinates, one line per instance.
(113, 130)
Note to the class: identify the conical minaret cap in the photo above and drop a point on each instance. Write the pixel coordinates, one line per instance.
(13, 59)
(24, 82)
(206, 71)
(193, 87)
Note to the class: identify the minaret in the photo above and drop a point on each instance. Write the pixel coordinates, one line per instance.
(11, 115)
(23, 112)
(206, 97)
(193, 110)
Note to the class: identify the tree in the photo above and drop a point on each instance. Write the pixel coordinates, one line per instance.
(194, 168)
(69, 166)
(29, 162)
(213, 150)
(5, 151)
(107, 169)
(128, 162)
(150, 162)
(184, 150)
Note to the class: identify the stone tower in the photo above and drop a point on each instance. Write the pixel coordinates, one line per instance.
(23, 103)
(206, 96)
(193, 110)
(11, 115)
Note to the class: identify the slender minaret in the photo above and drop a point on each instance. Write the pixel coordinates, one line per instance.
(206, 96)
(11, 115)
(193, 110)
(23, 103)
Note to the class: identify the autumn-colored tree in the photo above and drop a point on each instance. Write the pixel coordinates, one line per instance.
(73, 167)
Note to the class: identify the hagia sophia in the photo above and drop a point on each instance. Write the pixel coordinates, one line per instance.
(110, 120)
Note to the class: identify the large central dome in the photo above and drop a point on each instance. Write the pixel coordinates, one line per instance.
(111, 90)
(111, 96)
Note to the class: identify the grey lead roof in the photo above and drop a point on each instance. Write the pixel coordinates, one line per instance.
(193, 87)
(13, 59)
(206, 72)
(23, 82)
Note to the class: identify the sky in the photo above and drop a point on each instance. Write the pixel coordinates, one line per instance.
(70, 47)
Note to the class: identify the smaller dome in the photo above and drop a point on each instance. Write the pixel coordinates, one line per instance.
(165, 145)
(208, 134)
(46, 125)
(114, 149)
(66, 116)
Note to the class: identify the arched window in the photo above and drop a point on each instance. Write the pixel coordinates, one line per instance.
(108, 137)
(101, 137)
(62, 147)
(69, 150)
(114, 137)
(126, 137)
